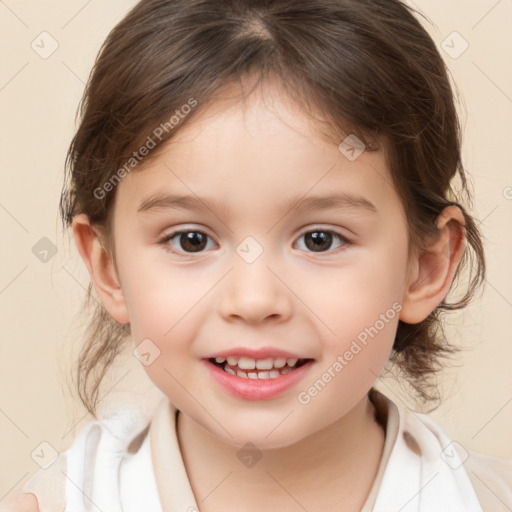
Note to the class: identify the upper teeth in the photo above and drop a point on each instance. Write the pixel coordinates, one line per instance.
(246, 363)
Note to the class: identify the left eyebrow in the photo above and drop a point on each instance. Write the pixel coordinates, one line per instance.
(337, 201)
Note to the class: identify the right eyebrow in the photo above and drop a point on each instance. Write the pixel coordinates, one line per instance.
(170, 201)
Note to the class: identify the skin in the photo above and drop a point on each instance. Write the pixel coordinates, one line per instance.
(26, 502)
(253, 160)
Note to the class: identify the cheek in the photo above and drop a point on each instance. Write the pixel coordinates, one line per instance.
(354, 297)
(165, 304)
(359, 309)
(351, 362)
(159, 292)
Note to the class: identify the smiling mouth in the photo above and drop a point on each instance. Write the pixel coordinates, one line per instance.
(247, 368)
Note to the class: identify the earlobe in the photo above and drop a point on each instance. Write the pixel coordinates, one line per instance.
(101, 268)
(432, 272)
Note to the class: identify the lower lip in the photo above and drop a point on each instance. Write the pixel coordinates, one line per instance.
(257, 389)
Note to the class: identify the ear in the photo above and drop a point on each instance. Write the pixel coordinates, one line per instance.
(99, 262)
(432, 271)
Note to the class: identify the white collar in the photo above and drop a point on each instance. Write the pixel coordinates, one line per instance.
(423, 473)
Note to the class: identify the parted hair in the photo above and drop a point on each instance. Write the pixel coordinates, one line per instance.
(362, 67)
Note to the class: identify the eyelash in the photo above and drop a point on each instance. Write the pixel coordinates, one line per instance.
(167, 238)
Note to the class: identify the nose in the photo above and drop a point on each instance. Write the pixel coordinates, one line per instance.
(253, 293)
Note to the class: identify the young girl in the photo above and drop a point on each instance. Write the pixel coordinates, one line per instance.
(262, 192)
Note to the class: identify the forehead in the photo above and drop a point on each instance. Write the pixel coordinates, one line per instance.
(265, 150)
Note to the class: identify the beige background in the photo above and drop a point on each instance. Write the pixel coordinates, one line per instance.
(40, 302)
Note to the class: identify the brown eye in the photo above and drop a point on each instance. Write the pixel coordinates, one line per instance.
(186, 241)
(320, 240)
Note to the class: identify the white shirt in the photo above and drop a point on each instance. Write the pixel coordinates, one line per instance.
(121, 463)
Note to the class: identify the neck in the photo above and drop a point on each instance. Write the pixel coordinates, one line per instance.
(341, 461)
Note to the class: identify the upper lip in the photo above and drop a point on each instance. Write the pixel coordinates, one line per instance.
(260, 353)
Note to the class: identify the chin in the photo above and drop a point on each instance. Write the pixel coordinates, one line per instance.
(265, 435)
(260, 441)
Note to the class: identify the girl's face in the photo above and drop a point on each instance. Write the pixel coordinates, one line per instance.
(271, 269)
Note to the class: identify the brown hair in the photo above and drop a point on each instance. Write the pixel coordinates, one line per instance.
(366, 67)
